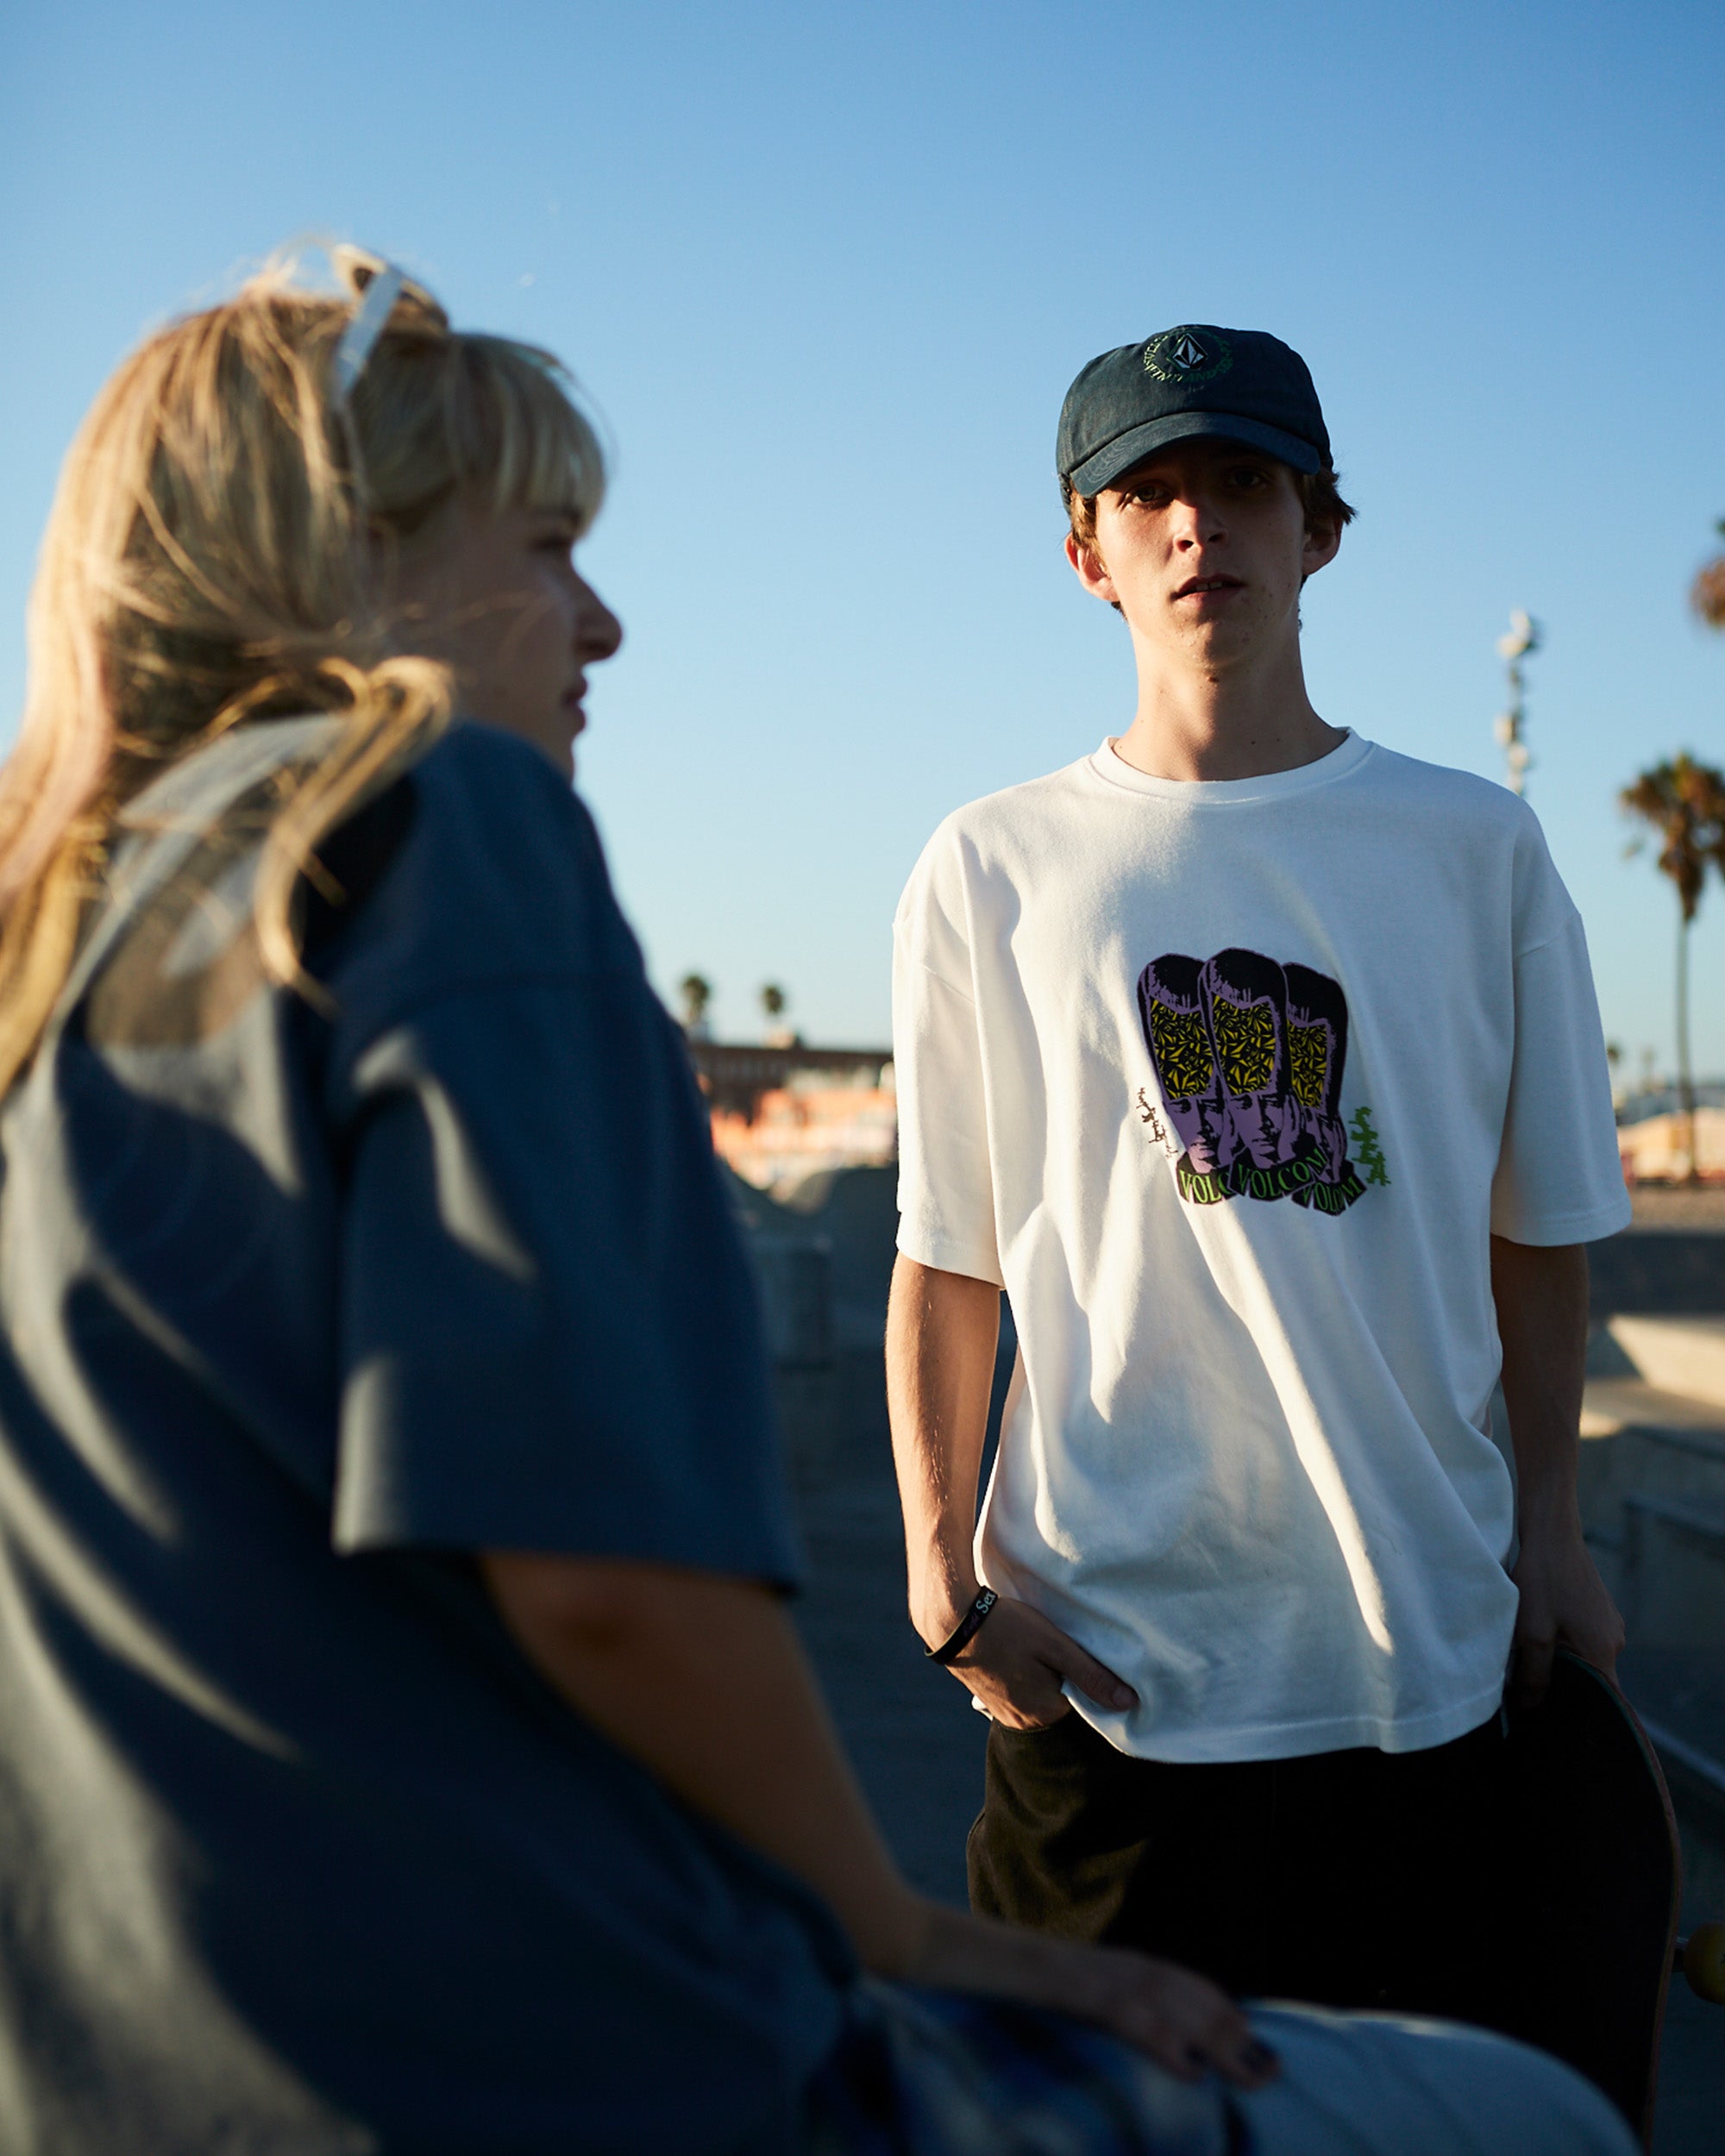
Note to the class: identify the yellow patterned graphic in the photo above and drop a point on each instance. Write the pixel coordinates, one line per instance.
(1309, 1053)
(1182, 1051)
(1246, 1040)
(1253, 1052)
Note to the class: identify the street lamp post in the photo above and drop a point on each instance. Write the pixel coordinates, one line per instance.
(1523, 638)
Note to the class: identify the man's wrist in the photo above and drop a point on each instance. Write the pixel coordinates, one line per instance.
(941, 1606)
(1548, 1515)
(965, 1631)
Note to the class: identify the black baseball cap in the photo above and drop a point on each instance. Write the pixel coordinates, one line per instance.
(1241, 384)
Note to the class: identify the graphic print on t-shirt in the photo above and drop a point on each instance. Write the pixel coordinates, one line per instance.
(1250, 1054)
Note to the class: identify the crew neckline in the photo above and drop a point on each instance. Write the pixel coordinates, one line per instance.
(1113, 769)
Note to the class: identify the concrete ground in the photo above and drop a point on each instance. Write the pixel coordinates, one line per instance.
(909, 1727)
(1667, 1208)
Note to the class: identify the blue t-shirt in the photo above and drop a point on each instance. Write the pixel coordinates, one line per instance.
(301, 1303)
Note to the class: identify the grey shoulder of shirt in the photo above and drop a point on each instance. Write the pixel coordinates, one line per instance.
(468, 753)
(499, 880)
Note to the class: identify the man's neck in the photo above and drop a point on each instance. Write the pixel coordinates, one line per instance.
(1239, 722)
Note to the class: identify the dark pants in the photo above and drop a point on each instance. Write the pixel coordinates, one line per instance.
(1357, 1878)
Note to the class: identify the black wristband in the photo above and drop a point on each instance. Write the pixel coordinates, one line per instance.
(969, 1626)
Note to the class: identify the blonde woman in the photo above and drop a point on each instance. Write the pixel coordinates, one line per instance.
(403, 1746)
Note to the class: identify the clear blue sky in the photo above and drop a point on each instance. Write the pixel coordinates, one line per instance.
(826, 271)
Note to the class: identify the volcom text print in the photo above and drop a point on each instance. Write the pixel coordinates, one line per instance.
(1250, 1056)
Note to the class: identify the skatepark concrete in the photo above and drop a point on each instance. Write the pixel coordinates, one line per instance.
(908, 1727)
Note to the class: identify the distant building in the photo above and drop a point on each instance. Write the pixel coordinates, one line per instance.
(1650, 1099)
(1656, 1149)
(784, 1110)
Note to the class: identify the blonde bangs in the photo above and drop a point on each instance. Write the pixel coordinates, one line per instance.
(474, 414)
(542, 452)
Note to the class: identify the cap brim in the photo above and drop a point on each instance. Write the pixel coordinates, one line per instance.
(1104, 465)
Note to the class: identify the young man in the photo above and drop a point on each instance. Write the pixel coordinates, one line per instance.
(1261, 1067)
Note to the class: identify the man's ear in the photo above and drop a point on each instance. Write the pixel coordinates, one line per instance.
(1091, 571)
(1323, 543)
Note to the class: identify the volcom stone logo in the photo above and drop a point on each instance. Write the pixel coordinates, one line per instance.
(1182, 355)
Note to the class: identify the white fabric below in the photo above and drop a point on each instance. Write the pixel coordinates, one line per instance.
(1377, 2085)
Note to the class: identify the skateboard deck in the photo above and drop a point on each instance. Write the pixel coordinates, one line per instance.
(1597, 1881)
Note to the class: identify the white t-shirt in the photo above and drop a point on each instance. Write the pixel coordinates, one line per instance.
(1228, 1084)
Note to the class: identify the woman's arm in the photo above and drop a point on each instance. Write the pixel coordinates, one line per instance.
(704, 1680)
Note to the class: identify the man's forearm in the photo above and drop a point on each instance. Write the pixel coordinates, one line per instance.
(1542, 1299)
(942, 1332)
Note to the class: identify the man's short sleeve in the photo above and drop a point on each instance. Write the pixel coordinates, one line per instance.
(551, 1337)
(946, 1200)
(1559, 1179)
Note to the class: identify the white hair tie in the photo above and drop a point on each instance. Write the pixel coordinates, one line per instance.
(367, 324)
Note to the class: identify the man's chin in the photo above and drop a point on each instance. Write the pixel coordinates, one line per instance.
(1221, 643)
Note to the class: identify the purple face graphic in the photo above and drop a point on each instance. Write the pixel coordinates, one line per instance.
(1245, 1000)
(1317, 1053)
(1171, 1008)
(1249, 1055)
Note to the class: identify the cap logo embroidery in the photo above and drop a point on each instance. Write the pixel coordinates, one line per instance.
(1181, 355)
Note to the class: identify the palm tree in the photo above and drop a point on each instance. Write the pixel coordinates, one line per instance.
(1684, 802)
(697, 992)
(775, 1002)
(1707, 593)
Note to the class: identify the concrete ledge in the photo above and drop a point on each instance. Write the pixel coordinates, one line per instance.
(1679, 1693)
(1611, 1404)
(1674, 1572)
(1661, 1270)
(1684, 1355)
(795, 1274)
(1695, 1778)
(1635, 1455)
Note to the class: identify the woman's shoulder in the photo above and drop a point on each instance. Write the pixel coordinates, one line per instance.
(478, 866)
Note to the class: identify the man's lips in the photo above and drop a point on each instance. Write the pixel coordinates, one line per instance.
(1199, 587)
